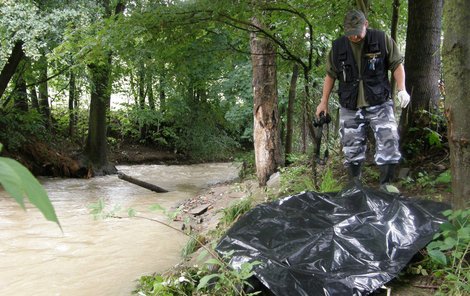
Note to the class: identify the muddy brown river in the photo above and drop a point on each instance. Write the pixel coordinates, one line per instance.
(97, 256)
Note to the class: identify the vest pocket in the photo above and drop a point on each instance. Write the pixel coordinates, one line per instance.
(375, 92)
(348, 96)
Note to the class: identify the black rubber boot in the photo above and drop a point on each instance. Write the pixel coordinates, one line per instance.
(355, 172)
(387, 175)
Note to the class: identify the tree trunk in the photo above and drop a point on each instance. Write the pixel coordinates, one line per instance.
(72, 104)
(17, 54)
(150, 95)
(162, 96)
(290, 109)
(304, 130)
(141, 86)
(34, 97)
(456, 57)
(97, 148)
(44, 92)
(266, 116)
(422, 64)
(393, 34)
(20, 95)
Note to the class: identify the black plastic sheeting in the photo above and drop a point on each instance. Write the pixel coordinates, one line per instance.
(346, 243)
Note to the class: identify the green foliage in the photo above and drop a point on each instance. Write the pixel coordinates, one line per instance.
(61, 124)
(444, 178)
(450, 252)
(424, 180)
(370, 173)
(97, 208)
(328, 182)
(99, 211)
(20, 183)
(418, 270)
(213, 278)
(235, 211)
(298, 176)
(142, 125)
(429, 137)
(192, 245)
(16, 128)
(248, 169)
(171, 215)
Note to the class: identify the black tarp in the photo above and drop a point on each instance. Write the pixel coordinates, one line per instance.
(346, 243)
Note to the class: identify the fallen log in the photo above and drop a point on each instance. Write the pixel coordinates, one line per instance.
(140, 183)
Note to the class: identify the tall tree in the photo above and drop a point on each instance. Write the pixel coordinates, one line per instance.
(96, 149)
(266, 116)
(422, 64)
(456, 57)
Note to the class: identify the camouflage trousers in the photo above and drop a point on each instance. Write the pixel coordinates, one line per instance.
(381, 119)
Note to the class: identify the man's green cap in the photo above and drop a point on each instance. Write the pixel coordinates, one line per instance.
(354, 22)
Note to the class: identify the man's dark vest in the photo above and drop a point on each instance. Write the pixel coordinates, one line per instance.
(374, 70)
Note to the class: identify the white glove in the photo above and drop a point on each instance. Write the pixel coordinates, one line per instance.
(403, 98)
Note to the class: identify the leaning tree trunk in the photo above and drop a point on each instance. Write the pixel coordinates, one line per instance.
(266, 133)
(17, 54)
(422, 66)
(456, 60)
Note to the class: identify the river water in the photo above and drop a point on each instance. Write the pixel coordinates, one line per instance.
(97, 256)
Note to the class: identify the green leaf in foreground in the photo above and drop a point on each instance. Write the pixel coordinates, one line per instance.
(205, 280)
(19, 182)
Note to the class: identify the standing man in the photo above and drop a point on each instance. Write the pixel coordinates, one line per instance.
(360, 60)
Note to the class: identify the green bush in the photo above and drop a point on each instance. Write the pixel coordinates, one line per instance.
(234, 211)
(16, 128)
(295, 179)
(214, 278)
(449, 251)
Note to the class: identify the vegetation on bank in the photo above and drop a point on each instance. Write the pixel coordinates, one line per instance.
(444, 262)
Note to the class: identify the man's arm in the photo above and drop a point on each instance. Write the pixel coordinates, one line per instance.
(399, 75)
(402, 95)
(327, 87)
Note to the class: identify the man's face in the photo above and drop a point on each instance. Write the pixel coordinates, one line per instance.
(358, 38)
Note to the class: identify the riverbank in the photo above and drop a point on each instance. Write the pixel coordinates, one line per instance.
(204, 215)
